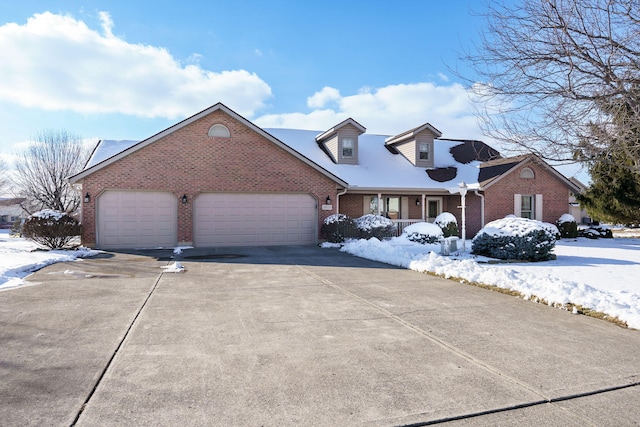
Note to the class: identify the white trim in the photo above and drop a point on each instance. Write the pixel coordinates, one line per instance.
(538, 207)
(517, 205)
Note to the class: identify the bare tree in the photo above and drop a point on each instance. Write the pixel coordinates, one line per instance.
(548, 67)
(4, 174)
(43, 167)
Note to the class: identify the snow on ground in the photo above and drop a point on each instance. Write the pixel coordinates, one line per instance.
(19, 257)
(602, 274)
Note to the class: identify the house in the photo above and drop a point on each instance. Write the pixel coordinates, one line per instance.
(217, 179)
(11, 211)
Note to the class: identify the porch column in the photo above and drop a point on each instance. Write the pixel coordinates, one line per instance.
(379, 203)
(423, 207)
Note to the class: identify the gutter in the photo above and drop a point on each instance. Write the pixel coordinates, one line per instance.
(338, 199)
(481, 207)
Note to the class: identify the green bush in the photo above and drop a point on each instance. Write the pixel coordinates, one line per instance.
(376, 226)
(52, 229)
(337, 227)
(567, 226)
(596, 232)
(515, 238)
(423, 233)
(448, 223)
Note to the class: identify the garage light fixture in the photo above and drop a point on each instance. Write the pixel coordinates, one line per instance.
(184, 198)
(87, 198)
(328, 201)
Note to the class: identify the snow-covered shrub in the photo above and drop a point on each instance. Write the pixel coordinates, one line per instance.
(516, 238)
(596, 232)
(423, 232)
(567, 226)
(448, 223)
(337, 227)
(376, 226)
(52, 229)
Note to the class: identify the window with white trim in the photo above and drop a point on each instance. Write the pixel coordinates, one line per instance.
(220, 131)
(527, 173)
(423, 151)
(347, 148)
(527, 206)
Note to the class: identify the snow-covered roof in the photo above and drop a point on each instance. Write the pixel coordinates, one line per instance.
(106, 149)
(378, 168)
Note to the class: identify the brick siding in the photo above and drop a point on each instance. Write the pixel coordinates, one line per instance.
(555, 201)
(188, 161)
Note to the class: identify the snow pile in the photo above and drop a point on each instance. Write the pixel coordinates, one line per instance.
(174, 267)
(445, 218)
(515, 226)
(566, 218)
(49, 214)
(335, 218)
(178, 249)
(20, 257)
(569, 279)
(369, 222)
(425, 228)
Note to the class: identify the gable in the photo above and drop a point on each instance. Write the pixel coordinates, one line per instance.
(195, 132)
(495, 171)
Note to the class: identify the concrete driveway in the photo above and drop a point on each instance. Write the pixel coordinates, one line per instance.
(298, 336)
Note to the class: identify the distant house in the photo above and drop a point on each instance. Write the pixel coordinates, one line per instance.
(217, 179)
(11, 211)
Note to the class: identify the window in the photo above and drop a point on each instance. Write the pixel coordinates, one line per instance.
(527, 173)
(390, 206)
(423, 151)
(527, 206)
(220, 131)
(347, 147)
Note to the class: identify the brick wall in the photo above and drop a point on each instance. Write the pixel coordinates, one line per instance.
(499, 196)
(190, 162)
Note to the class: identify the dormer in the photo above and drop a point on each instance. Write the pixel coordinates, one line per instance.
(415, 144)
(341, 141)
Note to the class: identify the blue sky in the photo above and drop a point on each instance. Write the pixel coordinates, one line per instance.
(129, 69)
(126, 70)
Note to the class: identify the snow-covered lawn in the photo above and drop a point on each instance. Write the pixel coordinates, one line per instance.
(19, 257)
(603, 274)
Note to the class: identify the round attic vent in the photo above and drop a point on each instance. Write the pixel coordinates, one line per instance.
(220, 131)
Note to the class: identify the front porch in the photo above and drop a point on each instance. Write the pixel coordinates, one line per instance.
(407, 209)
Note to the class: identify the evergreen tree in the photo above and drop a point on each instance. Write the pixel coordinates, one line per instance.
(614, 195)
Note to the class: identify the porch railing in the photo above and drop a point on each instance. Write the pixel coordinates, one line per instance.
(402, 223)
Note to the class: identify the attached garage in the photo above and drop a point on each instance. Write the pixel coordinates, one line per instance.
(136, 219)
(244, 219)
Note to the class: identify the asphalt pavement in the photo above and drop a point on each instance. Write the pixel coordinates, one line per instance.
(298, 335)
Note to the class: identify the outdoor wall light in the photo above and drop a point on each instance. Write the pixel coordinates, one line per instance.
(87, 198)
(328, 201)
(417, 202)
(184, 198)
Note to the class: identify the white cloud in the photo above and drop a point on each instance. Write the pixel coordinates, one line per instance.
(388, 110)
(322, 98)
(56, 62)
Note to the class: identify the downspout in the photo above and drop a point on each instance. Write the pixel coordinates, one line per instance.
(338, 200)
(481, 208)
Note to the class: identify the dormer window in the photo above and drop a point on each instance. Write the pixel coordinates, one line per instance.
(416, 145)
(347, 148)
(340, 142)
(423, 151)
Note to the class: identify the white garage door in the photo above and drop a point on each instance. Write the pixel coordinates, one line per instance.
(137, 219)
(233, 219)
